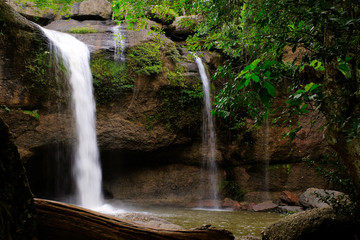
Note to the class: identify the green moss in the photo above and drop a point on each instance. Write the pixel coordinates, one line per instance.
(181, 106)
(145, 59)
(232, 190)
(82, 30)
(37, 70)
(111, 79)
(172, 53)
(33, 113)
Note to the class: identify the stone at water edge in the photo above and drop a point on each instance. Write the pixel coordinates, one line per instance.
(310, 198)
(290, 198)
(264, 206)
(229, 203)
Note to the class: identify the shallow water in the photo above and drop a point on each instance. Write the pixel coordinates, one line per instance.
(240, 223)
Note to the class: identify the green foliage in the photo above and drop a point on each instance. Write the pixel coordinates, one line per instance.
(250, 92)
(334, 171)
(82, 30)
(37, 69)
(6, 108)
(111, 79)
(145, 59)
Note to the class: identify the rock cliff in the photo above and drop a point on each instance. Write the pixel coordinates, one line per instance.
(148, 120)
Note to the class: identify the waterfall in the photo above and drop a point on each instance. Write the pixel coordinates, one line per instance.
(208, 132)
(86, 167)
(266, 159)
(119, 43)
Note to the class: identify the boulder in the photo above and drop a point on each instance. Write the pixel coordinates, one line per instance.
(31, 12)
(162, 17)
(289, 198)
(311, 198)
(182, 27)
(320, 223)
(91, 10)
(264, 206)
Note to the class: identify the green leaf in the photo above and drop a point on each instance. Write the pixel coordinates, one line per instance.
(254, 64)
(255, 78)
(270, 88)
(267, 64)
(309, 86)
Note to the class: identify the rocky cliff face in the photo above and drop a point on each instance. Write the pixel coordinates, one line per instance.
(148, 121)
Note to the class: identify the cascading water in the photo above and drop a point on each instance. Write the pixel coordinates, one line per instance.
(208, 133)
(119, 43)
(87, 171)
(266, 159)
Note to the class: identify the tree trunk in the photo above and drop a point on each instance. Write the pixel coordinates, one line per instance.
(64, 221)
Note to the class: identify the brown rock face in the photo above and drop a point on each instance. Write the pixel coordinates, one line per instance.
(152, 125)
(17, 212)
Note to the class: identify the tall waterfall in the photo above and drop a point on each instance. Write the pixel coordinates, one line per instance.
(208, 132)
(87, 171)
(119, 43)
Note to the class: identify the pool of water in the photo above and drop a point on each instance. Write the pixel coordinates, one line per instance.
(240, 223)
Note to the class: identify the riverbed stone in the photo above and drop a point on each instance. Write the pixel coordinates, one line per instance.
(264, 206)
(290, 198)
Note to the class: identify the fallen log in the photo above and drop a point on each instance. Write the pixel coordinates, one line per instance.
(60, 221)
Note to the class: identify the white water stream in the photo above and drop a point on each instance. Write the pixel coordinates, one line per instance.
(87, 171)
(208, 133)
(119, 43)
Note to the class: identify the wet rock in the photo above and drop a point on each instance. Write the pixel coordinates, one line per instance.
(91, 10)
(311, 198)
(264, 206)
(17, 211)
(232, 204)
(290, 198)
(322, 223)
(101, 39)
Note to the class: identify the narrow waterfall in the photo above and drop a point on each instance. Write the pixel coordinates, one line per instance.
(208, 133)
(86, 167)
(119, 43)
(266, 132)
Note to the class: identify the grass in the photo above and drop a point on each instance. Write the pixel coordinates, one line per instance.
(82, 30)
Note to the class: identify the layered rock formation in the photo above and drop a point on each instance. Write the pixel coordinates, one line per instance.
(148, 133)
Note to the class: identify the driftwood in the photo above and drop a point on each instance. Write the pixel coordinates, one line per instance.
(64, 221)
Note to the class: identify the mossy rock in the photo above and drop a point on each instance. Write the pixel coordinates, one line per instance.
(145, 59)
(111, 78)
